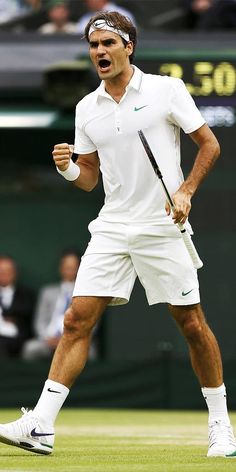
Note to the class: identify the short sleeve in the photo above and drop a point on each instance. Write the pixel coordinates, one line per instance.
(82, 144)
(183, 111)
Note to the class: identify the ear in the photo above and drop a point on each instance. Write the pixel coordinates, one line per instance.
(129, 48)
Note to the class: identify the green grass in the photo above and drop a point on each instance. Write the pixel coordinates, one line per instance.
(121, 441)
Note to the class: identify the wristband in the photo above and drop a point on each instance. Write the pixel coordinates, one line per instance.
(71, 173)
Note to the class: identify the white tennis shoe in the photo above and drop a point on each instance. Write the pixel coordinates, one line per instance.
(221, 440)
(29, 433)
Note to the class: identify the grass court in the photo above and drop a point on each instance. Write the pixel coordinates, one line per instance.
(121, 441)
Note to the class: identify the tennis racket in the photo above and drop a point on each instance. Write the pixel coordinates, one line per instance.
(197, 263)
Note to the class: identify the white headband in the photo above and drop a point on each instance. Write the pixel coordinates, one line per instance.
(102, 25)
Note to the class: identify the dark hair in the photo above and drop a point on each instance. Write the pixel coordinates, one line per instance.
(118, 21)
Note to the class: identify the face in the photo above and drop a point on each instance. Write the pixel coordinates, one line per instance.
(7, 272)
(108, 54)
(201, 6)
(95, 5)
(59, 14)
(68, 268)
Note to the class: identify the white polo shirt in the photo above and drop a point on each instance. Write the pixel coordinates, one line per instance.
(158, 105)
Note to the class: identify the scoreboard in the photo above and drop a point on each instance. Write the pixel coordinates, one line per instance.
(204, 78)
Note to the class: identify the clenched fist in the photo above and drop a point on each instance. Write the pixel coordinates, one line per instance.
(62, 154)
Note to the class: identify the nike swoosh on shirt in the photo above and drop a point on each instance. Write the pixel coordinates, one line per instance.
(37, 435)
(140, 108)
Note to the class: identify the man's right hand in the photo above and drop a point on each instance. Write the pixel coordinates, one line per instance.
(62, 154)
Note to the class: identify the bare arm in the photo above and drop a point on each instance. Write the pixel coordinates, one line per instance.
(88, 164)
(208, 153)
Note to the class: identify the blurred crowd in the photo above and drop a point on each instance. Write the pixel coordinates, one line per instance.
(71, 16)
(31, 324)
(60, 15)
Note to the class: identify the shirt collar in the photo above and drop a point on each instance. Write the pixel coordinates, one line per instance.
(134, 83)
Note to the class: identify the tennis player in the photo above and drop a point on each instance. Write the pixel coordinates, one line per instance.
(134, 234)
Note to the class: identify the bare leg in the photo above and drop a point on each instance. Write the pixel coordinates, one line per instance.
(203, 347)
(72, 351)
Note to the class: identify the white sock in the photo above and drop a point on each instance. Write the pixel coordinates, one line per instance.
(216, 402)
(51, 401)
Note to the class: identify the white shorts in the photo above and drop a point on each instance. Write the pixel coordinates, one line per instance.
(118, 253)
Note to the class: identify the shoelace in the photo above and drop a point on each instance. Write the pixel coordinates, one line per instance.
(25, 411)
(24, 425)
(220, 432)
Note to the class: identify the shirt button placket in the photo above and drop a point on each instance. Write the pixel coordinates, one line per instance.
(118, 119)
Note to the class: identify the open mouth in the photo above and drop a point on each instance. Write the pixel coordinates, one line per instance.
(104, 64)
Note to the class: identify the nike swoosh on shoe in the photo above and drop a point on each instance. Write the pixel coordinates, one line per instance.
(34, 434)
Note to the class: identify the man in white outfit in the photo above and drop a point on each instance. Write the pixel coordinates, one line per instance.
(134, 234)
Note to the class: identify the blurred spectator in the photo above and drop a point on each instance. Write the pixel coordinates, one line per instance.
(14, 13)
(9, 9)
(16, 309)
(206, 14)
(59, 15)
(52, 302)
(93, 6)
(32, 4)
(13, 9)
(196, 10)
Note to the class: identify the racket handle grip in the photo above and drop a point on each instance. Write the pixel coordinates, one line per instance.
(197, 263)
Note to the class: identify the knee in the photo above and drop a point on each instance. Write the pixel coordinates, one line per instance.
(78, 322)
(192, 329)
(191, 322)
